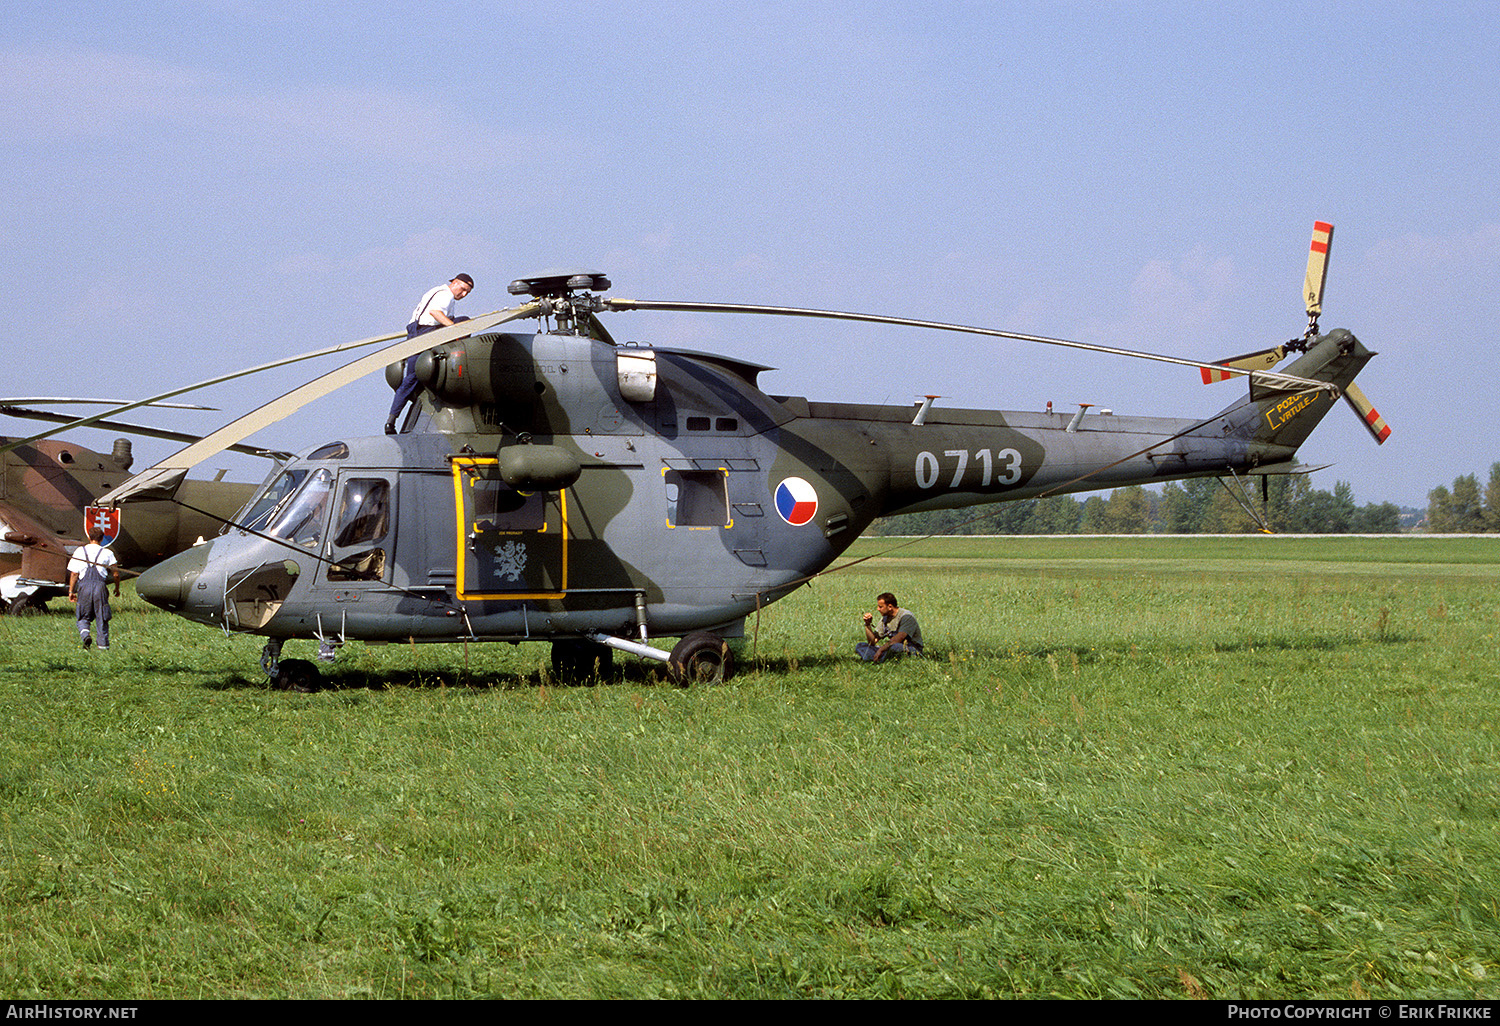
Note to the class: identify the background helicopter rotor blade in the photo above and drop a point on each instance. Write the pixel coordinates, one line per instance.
(130, 429)
(163, 478)
(1368, 416)
(1281, 381)
(156, 399)
(57, 400)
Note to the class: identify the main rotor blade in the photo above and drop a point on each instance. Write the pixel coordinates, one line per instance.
(1368, 416)
(1287, 381)
(130, 429)
(55, 400)
(1317, 267)
(155, 399)
(164, 477)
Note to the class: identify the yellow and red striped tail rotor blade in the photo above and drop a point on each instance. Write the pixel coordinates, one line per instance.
(1262, 359)
(1317, 267)
(1368, 415)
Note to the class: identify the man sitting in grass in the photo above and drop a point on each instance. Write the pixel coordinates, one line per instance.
(896, 634)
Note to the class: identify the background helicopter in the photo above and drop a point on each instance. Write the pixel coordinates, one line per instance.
(557, 486)
(47, 488)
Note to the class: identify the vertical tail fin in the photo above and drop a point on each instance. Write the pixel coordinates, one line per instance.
(1281, 420)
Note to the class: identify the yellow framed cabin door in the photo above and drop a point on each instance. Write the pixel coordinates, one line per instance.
(510, 544)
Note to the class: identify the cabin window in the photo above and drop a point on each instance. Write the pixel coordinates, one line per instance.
(697, 423)
(697, 498)
(499, 507)
(727, 424)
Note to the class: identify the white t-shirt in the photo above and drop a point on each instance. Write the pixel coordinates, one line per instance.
(91, 555)
(441, 299)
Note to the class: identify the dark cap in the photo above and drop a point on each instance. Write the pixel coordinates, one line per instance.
(463, 278)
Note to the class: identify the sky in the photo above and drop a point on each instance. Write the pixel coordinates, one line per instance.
(196, 187)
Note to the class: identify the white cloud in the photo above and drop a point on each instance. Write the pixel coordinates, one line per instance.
(78, 92)
(1174, 303)
(60, 93)
(1426, 253)
(434, 246)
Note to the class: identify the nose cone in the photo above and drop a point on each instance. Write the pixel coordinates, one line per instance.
(169, 583)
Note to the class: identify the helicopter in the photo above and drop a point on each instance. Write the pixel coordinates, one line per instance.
(47, 488)
(557, 486)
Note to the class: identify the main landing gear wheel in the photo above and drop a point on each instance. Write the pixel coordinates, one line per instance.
(27, 605)
(297, 675)
(582, 662)
(700, 658)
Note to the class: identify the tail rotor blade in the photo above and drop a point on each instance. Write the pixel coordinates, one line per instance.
(1261, 360)
(1317, 268)
(1368, 415)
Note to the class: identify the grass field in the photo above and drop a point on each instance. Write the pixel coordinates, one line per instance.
(1224, 768)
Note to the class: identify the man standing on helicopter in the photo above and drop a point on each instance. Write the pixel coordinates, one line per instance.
(433, 312)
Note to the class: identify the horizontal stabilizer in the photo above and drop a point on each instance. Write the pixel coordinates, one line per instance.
(1277, 469)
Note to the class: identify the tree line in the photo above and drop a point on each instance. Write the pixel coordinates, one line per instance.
(1463, 509)
(1196, 506)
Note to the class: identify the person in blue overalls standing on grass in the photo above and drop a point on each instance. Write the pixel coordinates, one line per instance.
(90, 571)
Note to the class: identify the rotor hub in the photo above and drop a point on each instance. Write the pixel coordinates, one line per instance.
(565, 294)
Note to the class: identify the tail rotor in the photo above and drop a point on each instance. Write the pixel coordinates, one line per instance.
(1312, 293)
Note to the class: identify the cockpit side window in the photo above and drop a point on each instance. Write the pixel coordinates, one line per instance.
(361, 525)
(304, 519)
(364, 512)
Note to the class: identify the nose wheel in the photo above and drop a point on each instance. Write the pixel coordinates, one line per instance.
(298, 675)
(700, 658)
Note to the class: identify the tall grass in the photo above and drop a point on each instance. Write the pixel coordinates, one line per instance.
(1232, 768)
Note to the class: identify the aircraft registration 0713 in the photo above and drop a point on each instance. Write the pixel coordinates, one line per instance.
(1007, 461)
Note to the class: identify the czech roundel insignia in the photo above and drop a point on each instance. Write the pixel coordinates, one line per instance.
(106, 518)
(796, 501)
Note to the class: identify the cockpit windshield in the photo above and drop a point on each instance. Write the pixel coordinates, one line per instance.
(259, 511)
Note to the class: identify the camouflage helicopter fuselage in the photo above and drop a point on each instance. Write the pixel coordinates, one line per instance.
(556, 486)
